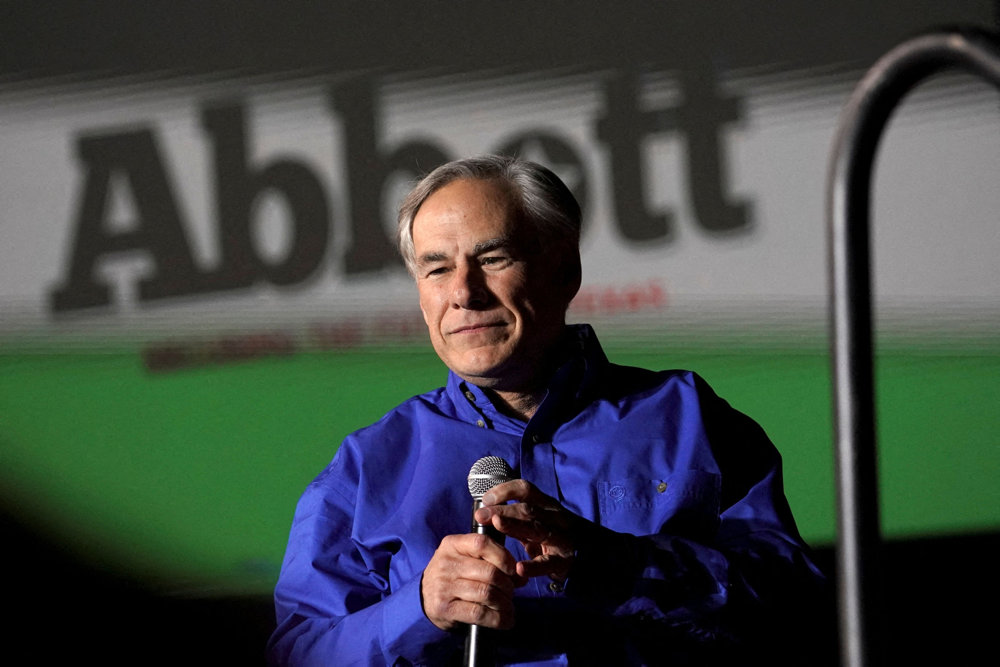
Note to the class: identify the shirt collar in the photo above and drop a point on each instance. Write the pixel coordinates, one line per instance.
(570, 384)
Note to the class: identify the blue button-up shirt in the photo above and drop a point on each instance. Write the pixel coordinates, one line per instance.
(693, 542)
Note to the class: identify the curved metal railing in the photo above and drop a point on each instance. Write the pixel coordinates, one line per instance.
(848, 204)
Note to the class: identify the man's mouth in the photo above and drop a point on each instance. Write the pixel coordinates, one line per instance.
(476, 327)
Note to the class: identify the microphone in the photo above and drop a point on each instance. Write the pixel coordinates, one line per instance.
(486, 473)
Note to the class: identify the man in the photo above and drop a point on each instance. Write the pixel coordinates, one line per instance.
(648, 525)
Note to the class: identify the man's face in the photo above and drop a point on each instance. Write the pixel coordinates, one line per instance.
(492, 302)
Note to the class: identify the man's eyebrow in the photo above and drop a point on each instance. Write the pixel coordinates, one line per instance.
(491, 244)
(482, 247)
(431, 257)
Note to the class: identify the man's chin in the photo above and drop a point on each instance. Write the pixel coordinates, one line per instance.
(501, 372)
(484, 361)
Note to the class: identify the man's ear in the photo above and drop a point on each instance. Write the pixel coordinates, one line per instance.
(570, 275)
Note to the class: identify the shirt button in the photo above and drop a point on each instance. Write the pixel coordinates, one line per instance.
(661, 487)
(555, 587)
(472, 397)
(480, 423)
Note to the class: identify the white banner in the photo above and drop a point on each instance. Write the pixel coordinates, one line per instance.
(147, 210)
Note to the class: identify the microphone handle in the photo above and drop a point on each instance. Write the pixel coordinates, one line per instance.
(479, 648)
(479, 644)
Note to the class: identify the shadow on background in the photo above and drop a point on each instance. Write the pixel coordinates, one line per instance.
(62, 610)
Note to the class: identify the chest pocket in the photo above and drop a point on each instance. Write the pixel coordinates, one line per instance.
(685, 503)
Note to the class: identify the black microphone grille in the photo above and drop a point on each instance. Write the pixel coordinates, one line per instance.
(486, 473)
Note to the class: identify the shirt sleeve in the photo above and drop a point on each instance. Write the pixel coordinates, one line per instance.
(334, 606)
(746, 584)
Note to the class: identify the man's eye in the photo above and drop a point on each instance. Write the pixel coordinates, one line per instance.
(494, 259)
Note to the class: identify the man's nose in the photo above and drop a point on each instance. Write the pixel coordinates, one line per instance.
(469, 288)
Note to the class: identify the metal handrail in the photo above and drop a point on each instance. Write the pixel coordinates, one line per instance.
(848, 204)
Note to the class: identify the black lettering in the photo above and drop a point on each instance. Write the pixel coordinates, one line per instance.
(701, 119)
(622, 128)
(158, 229)
(368, 171)
(239, 187)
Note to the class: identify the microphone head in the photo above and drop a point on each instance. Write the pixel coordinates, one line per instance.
(486, 473)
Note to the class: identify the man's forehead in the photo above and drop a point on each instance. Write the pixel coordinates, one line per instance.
(467, 197)
(477, 214)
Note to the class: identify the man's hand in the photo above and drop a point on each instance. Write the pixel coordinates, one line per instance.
(545, 529)
(470, 579)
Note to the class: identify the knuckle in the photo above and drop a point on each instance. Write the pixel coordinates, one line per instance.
(497, 580)
(479, 615)
(521, 486)
(480, 541)
(482, 592)
(441, 608)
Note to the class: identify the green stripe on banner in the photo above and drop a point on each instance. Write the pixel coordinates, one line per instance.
(187, 479)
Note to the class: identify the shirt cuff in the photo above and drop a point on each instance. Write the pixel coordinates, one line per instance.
(408, 633)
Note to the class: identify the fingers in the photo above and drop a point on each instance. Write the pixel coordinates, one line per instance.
(538, 521)
(519, 490)
(530, 524)
(470, 579)
(555, 567)
(532, 513)
(479, 547)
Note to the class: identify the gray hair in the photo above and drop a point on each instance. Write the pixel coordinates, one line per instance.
(538, 195)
